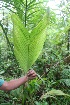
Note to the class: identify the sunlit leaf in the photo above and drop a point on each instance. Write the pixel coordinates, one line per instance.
(27, 46)
(54, 92)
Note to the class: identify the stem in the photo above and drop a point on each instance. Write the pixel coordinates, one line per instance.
(68, 46)
(5, 33)
(40, 78)
(25, 13)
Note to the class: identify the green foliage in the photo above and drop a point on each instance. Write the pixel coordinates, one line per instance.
(52, 64)
(65, 77)
(53, 93)
(27, 46)
(66, 73)
(29, 11)
(41, 103)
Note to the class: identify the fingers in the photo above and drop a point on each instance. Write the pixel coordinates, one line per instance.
(31, 74)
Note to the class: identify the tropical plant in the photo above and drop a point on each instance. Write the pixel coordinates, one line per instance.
(28, 45)
(53, 64)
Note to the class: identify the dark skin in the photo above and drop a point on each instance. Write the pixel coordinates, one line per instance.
(13, 84)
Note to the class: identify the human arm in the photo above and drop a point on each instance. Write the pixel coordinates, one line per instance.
(13, 84)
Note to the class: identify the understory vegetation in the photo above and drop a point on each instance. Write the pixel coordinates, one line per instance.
(52, 86)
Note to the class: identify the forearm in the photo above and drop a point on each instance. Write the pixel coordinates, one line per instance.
(13, 84)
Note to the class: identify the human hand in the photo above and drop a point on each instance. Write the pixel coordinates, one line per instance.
(31, 74)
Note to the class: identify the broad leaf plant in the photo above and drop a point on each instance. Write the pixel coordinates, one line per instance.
(28, 45)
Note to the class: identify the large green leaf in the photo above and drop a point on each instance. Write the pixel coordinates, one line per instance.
(53, 93)
(27, 46)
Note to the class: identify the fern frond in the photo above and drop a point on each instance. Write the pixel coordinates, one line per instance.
(27, 46)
